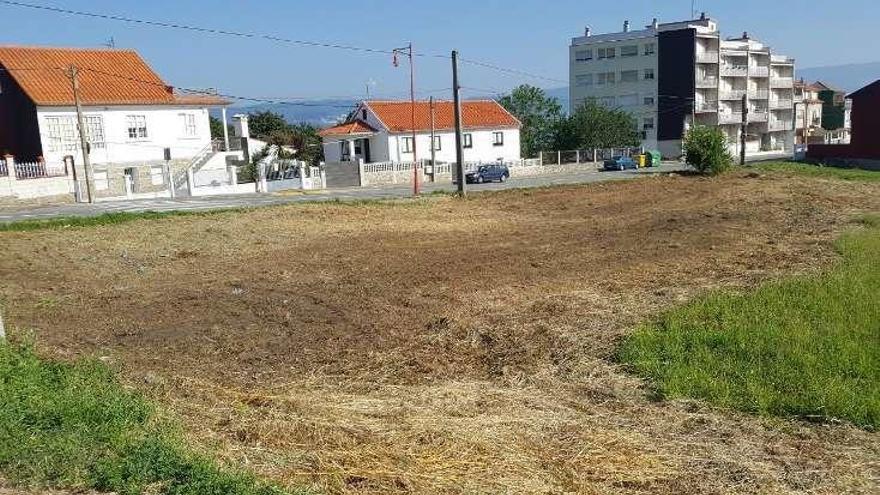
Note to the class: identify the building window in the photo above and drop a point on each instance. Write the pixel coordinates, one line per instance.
(437, 143)
(364, 114)
(583, 55)
(648, 124)
(649, 101)
(629, 51)
(62, 135)
(583, 80)
(608, 101)
(102, 183)
(157, 175)
(649, 74)
(629, 76)
(605, 78)
(498, 139)
(95, 131)
(468, 140)
(344, 151)
(188, 122)
(649, 49)
(407, 145)
(137, 126)
(603, 53)
(628, 100)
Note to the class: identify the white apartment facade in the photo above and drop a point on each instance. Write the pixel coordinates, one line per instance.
(382, 131)
(685, 74)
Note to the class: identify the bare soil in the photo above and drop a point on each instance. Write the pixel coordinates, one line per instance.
(446, 346)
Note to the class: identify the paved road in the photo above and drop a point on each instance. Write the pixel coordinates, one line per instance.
(14, 213)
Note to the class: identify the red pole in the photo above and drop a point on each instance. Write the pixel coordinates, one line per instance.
(412, 97)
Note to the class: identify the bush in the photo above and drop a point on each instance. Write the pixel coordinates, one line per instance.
(705, 149)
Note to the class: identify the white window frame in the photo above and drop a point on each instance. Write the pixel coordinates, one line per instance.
(438, 143)
(498, 138)
(649, 74)
(157, 175)
(650, 49)
(629, 51)
(583, 55)
(648, 124)
(583, 80)
(648, 101)
(467, 141)
(634, 73)
(136, 127)
(189, 125)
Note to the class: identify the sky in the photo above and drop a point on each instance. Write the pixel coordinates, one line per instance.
(524, 35)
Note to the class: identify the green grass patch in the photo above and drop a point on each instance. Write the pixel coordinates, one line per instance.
(114, 218)
(805, 169)
(806, 347)
(74, 426)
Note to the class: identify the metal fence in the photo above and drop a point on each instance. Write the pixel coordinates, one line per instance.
(33, 170)
(585, 155)
(4, 172)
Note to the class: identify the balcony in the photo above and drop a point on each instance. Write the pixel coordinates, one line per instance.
(707, 82)
(730, 118)
(759, 94)
(706, 107)
(781, 82)
(759, 71)
(734, 70)
(779, 125)
(780, 104)
(735, 94)
(781, 60)
(707, 58)
(759, 116)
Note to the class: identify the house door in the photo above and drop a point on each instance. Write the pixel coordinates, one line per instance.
(366, 148)
(129, 182)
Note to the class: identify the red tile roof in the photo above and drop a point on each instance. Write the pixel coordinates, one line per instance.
(348, 128)
(476, 114)
(106, 77)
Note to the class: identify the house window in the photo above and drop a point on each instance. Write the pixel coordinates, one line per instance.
(343, 153)
(364, 114)
(408, 145)
(649, 101)
(603, 78)
(102, 183)
(583, 80)
(583, 55)
(189, 125)
(437, 143)
(62, 135)
(628, 100)
(649, 74)
(606, 53)
(629, 51)
(157, 175)
(468, 141)
(629, 76)
(95, 131)
(648, 124)
(649, 49)
(137, 126)
(498, 139)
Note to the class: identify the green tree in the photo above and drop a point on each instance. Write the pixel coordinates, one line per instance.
(593, 125)
(705, 149)
(539, 115)
(263, 124)
(216, 128)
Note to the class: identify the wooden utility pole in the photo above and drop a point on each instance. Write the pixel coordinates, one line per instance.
(73, 73)
(745, 123)
(433, 131)
(459, 139)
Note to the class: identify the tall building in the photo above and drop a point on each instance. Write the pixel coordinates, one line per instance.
(671, 75)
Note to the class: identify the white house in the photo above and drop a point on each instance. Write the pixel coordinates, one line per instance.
(381, 131)
(133, 119)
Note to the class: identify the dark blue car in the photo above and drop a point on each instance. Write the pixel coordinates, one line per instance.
(620, 163)
(488, 173)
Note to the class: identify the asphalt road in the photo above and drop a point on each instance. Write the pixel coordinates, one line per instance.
(14, 213)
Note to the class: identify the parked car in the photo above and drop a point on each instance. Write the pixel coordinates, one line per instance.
(620, 163)
(488, 173)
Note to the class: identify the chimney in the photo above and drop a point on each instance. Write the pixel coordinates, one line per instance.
(587, 31)
(745, 35)
(702, 16)
(625, 26)
(655, 24)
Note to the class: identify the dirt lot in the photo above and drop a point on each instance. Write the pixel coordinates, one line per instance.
(446, 346)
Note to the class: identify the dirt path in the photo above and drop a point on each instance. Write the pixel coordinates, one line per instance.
(445, 346)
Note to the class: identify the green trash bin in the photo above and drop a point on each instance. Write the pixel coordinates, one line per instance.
(654, 158)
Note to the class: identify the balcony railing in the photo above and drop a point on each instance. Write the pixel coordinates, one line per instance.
(730, 118)
(707, 82)
(706, 106)
(734, 71)
(758, 116)
(759, 71)
(759, 94)
(781, 82)
(780, 104)
(735, 94)
(779, 125)
(707, 58)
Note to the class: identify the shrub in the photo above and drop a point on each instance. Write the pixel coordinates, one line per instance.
(705, 149)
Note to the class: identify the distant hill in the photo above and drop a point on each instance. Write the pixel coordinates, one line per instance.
(848, 77)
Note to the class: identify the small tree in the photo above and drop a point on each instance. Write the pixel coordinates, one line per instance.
(263, 124)
(705, 149)
(216, 128)
(539, 115)
(593, 125)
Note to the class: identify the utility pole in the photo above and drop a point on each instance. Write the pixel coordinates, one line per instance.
(408, 50)
(73, 73)
(745, 122)
(433, 148)
(459, 141)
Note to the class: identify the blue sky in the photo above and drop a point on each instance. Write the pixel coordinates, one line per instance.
(529, 35)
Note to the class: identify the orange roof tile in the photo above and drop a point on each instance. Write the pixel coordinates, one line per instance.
(348, 128)
(106, 77)
(476, 114)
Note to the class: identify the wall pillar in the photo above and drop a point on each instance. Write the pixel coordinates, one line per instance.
(350, 144)
(10, 174)
(225, 128)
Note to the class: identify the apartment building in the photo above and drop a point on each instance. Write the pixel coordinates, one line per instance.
(672, 75)
(808, 113)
